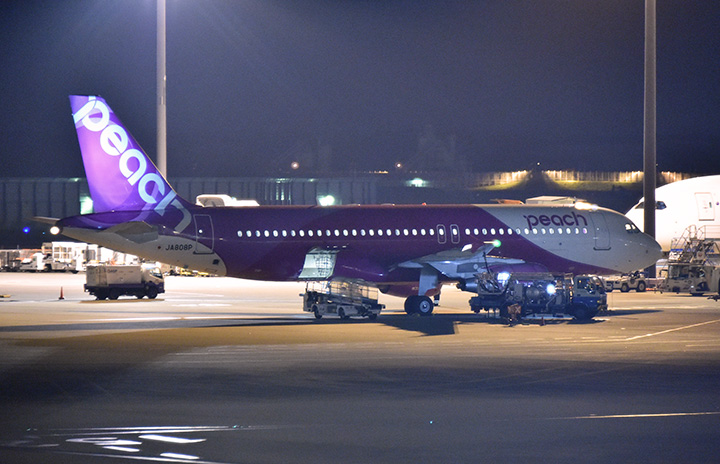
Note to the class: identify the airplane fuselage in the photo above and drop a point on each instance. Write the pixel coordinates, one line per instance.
(372, 243)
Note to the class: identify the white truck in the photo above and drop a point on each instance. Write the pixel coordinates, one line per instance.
(32, 263)
(634, 281)
(114, 281)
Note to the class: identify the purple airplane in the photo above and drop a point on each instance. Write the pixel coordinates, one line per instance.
(403, 250)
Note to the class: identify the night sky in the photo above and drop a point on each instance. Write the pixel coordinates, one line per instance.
(252, 84)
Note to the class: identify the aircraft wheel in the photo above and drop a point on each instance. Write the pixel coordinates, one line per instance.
(641, 287)
(424, 306)
(410, 304)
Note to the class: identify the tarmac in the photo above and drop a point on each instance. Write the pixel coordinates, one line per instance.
(221, 370)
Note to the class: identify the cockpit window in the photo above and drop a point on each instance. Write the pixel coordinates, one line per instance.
(658, 205)
(631, 228)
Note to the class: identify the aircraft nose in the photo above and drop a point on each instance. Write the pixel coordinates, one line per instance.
(653, 250)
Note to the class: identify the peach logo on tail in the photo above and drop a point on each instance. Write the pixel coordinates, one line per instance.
(114, 141)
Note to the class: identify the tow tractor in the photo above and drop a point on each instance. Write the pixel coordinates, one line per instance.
(539, 294)
(343, 298)
(634, 281)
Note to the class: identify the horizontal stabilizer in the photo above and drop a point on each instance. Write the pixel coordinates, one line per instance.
(46, 220)
(135, 231)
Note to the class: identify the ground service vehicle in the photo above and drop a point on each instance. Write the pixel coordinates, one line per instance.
(114, 281)
(694, 262)
(32, 263)
(692, 278)
(634, 281)
(540, 293)
(342, 298)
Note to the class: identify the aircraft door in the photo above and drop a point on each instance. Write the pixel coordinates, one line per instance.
(441, 233)
(600, 231)
(204, 234)
(706, 210)
(454, 233)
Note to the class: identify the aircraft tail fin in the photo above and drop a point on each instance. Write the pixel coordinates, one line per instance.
(120, 175)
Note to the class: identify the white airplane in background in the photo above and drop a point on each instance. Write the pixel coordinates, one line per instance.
(679, 205)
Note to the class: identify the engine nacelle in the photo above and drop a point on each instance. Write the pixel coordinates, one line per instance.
(470, 285)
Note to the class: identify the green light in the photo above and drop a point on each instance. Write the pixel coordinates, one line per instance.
(496, 243)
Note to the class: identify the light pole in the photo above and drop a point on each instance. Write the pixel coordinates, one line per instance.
(649, 137)
(161, 91)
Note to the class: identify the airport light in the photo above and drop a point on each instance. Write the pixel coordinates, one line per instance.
(326, 200)
(649, 129)
(161, 91)
(503, 277)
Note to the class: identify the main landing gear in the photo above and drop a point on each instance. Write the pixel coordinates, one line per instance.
(421, 305)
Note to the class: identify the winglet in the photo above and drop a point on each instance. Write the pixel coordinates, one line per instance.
(120, 175)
